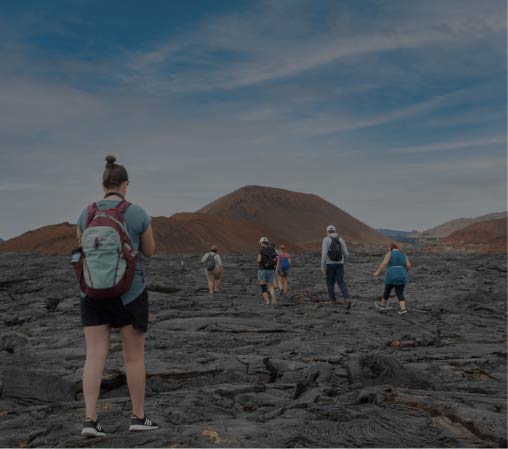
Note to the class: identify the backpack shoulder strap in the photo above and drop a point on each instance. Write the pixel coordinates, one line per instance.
(122, 206)
(92, 209)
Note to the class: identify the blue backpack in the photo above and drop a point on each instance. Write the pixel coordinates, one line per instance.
(284, 263)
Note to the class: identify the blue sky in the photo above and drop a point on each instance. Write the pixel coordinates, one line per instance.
(393, 110)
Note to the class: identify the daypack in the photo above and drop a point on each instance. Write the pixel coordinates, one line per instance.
(108, 260)
(335, 251)
(210, 262)
(284, 263)
(268, 258)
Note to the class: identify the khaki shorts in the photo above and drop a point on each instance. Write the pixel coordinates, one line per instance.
(213, 275)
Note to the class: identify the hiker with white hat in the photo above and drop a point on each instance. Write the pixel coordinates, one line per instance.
(267, 262)
(333, 252)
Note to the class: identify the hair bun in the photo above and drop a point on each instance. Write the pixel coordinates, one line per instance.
(110, 160)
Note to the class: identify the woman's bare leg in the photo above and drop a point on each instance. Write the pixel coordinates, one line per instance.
(285, 285)
(210, 285)
(134, 358)
(216, 285)
(271, 290)
(97, 348)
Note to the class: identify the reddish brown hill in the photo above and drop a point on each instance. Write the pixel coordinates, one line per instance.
(234, 222)
(180, 233)
(445, 229)
(195, 232)
(52, 239)
(299, 217)
(486, 236)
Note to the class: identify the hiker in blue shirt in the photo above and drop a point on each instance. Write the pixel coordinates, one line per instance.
(127, 312)
(282, 270)
(397, 265)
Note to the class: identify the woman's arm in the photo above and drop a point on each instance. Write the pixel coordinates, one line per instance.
(78, 235)
(259, 259)
(278, 264)
(147, 246)
(383, 264)
(408, 264)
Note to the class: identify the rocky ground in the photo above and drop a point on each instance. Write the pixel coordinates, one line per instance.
(229, 371)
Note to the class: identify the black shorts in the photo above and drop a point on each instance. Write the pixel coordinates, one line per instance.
(399, 291)
(96, 312)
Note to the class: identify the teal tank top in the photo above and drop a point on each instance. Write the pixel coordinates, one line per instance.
(396, 273)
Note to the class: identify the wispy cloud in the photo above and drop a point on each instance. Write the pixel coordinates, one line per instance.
(250, 52)
(325, 125)
(451, 145)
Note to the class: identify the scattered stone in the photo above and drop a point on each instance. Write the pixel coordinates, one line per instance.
(38, 386)
(14, 342)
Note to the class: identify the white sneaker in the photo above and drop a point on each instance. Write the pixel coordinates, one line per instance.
(92, 429)
(142, 424)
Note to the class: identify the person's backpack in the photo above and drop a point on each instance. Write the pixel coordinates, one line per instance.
(210, 262)
(107, 262)
(335, 251)
(284, 263)
(268, 258)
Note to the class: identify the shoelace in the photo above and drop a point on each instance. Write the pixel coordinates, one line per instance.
(98, 427)
(148, 422)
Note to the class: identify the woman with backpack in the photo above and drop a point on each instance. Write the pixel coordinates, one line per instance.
(111, 234)
(213, 269)
(282, 269)
(397, 265)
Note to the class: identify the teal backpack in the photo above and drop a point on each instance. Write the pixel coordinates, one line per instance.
(108, 260)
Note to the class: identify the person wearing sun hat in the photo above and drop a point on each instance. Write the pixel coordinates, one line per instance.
(333, 252)
(213, 270)
(267, 261)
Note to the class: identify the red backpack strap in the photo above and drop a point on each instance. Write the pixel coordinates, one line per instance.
(122, 206)
(92, 209)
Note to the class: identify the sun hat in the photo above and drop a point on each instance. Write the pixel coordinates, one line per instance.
(330, 228)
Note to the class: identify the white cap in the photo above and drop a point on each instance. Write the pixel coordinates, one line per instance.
(330, 228)
(263, 240)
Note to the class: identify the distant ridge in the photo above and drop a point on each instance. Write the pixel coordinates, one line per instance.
(445, 229)
(489, 236)
(53, 239)
(400, 236)
(298, 217)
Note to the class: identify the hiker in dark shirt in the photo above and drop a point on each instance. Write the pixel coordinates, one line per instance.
(267, 261)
